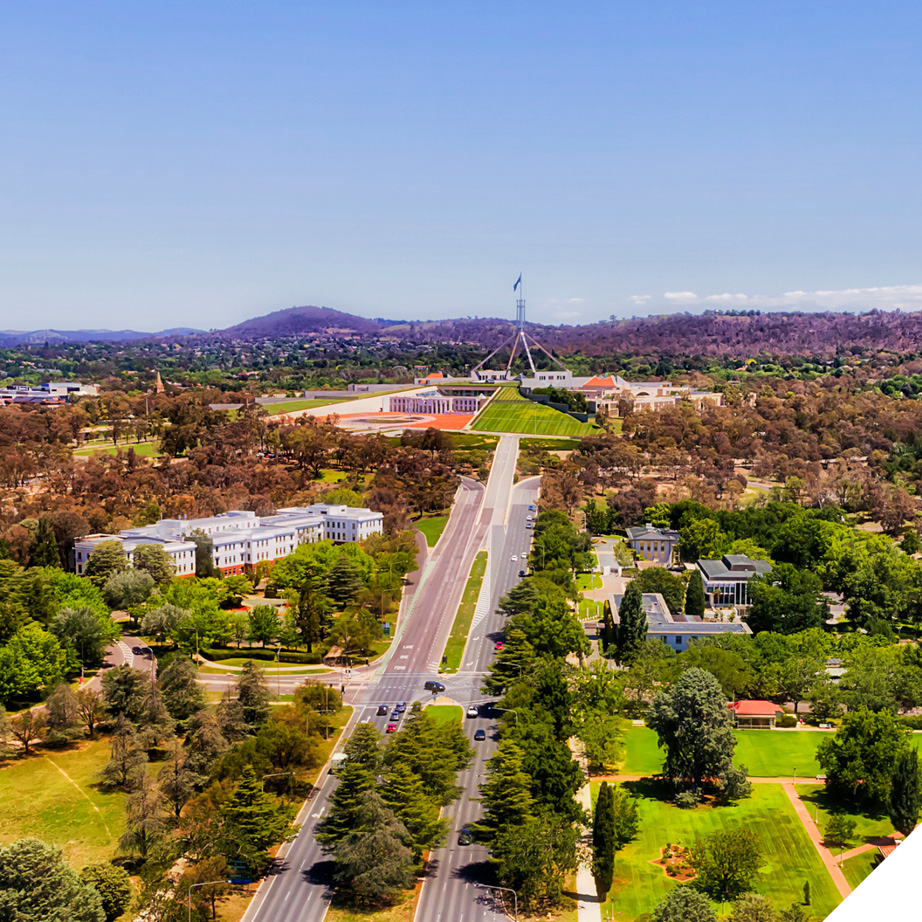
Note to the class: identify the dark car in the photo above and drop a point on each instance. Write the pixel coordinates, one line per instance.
(400, 706)
(465, 836)
(480, 735)
(382, 710)
(136, 651)
(434, 686)
(521, 574)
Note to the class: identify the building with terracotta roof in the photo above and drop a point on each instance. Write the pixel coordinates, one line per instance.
(753, 714)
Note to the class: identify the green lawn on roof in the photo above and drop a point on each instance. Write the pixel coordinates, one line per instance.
(509, 411)
(789, 856)
(292, 406)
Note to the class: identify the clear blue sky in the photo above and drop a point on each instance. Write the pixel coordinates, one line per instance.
(198, 163)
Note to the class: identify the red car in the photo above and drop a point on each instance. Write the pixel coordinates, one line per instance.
(498, 645)
(391, 728)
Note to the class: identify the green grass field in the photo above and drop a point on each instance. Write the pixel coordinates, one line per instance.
(585, 581)
(765, 753)
(432, 528)
(509, 411)
(292, 406)
(454, 648)
(39, 801)
(142, 449)
(868, 825)
(857, 868)
(549, 444)
(446, 713)
(588, 608)
(789, 857)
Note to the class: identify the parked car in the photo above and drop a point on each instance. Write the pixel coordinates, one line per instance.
(529, 525)
(531, 508)
(480, 735)
(472, 711)
(391, 728)
(465, 836)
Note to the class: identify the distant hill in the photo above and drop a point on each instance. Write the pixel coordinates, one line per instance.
(295, 321)
(38, 337)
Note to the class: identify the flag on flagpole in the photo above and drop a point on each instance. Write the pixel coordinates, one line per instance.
(518, 282)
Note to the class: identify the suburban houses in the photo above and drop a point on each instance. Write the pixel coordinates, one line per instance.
(240, 537)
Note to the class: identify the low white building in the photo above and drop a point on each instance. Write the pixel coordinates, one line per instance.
(435, 403)
(242, 538)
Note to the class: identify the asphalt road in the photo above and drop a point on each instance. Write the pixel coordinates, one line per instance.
(297, 890)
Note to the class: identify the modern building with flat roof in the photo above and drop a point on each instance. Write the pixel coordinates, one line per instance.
(676, 630)
(726, 581)
(242, 539)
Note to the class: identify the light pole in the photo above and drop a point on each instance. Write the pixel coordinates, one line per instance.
(275, 775)
(513, 711)
(795, 774)
(515, 896)
(278, 671)
(206, 883)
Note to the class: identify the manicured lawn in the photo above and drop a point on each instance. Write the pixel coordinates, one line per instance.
(509, 411)
(446, 713)
(585, 581)
(868, 825)
(39, 801)
(269, 669)
(588, 608)
(403, 911)
(454, 649)
(432, 528)
(549, 444)
(142, 449)
(789, 856)
(291, 406)
(330, 476)
(857, 868)
(765, 753)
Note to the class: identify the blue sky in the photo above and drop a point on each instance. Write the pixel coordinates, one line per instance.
(195, 164)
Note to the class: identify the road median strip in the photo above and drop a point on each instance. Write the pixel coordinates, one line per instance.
(454, 648)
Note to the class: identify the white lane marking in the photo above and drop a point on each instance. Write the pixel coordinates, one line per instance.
(399, 667)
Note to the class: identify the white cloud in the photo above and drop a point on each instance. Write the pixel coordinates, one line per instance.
(639, 299)
(885, 297)
(576, 300)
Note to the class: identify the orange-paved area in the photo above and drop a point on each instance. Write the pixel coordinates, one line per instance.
(373, 421)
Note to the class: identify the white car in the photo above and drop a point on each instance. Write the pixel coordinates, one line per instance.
(514, 557)
(472, 711)
(527, 518)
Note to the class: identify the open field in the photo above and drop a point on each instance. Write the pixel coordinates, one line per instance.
(509, 411)
(789, 857)
(868, 825)
(765, 753)
(432, 528)
(454, 648)
(142, 449)
(51, 797)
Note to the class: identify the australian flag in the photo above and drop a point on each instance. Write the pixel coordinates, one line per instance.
(518, 282)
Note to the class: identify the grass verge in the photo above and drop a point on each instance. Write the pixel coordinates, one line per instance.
(454, 649)
(142, 449)
(446, 713)
(432, 528)
(857, 868)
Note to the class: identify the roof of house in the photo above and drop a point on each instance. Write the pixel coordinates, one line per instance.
(755, 708)
(661, 621)
(639, 532)
(734, 567)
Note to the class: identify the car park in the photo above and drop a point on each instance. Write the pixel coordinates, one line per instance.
(382, 710)
(391, 728)
(480, 735)
(465, 836)
(472, 711)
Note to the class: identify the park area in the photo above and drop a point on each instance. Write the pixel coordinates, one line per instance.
(509, 411)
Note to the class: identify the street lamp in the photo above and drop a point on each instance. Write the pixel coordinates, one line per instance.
(276, 775)
(515, 896)
(513, 711)
(206, 883)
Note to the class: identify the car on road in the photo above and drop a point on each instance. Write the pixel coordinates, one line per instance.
(391, 728)
(395, 716)
(472, 711)
(527, 518)
(521, 574)
(136, 651)
(480, 735)
(382, 710)
(465, 836)
(400, 706)
(531, 508)
(498, 645)
(529, 525)
(515, 557)
(434, 686)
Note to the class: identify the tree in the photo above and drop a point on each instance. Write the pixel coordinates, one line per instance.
(29, 727)
(264, 623)
(113, 884)
(859, 759)
(126, 758)
(840, 829)
(602, 739)
(153, 559)
(374, 860)
(153, 718)
(795, 912)
(727, 862)
(256, 820)
(344, 581)
(695, 599)
(163, 620)
(36, 883)
(603, 841)
(734, 784)
(253, 694)
(905, 792)
(32, 659)
(123, 690)
(64, 720)
(695, 727)
(669, 586)
(341, 819)
(204, 554)
(684, 905)
(182, 694)
(127, 588)
(145, 818)
(80, 629)
(402, 792)
(752, 907)
(44, 551)
(204, 742)
(107, 558)
(176, 780)
(632, 627)
(786, 601)
(91, 708)
(507, 799)
(702, 540)
(626, 816)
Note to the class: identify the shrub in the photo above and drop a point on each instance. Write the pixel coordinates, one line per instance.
(687, 800)
(786, 720)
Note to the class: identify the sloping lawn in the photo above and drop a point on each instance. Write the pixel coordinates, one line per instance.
(857, 868)
(432, 528)
(292, 406)
(39, 801)
(868, 823)
(765, 753)
(509, 411)
(789, 857)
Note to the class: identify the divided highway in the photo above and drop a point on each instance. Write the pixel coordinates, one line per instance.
(494, 518)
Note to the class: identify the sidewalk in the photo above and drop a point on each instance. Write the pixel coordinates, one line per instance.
(588, 907)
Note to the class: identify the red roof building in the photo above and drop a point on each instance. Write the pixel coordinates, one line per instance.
(754, 714)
